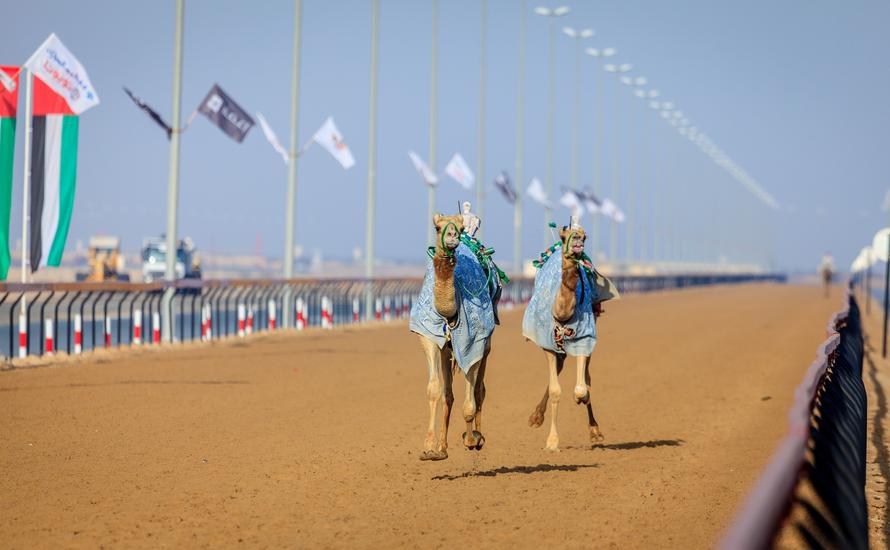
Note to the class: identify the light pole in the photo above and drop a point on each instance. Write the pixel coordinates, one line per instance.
(480, 154)
(372, 159)
(613, 226)
(551, 15)
(292, 166)
(434, 94)
(632, 215)
(577, 36)
(599, 55)
(645, 179)
(520, 146)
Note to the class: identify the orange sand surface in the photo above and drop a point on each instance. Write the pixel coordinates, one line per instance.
(307, 440)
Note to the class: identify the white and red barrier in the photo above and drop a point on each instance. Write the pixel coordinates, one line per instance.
(378, 309)
(272, 314)
(78, 334)
(241, 318)
(249, 329)
(356, 310)
(301, 313)
(327, 314)
(48, 332)
(137, 327)
(108, 332)
(156, 327)
(23, 335)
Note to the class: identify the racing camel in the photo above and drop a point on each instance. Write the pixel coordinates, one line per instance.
(561, 320)
(454, 317)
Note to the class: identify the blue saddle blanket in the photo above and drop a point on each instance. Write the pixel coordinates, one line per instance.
(538, 323)
(475, 318)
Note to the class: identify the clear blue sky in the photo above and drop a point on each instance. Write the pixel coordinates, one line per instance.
(791, 90)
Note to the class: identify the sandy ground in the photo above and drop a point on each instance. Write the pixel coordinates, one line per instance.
(876, 373)
(312, 440)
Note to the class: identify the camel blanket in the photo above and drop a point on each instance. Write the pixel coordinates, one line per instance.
(538, 324)
(475, 316)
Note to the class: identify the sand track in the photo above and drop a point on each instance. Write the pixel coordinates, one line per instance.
(312, 440)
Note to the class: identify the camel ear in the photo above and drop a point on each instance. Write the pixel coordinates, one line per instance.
(564, 233)
(436, 219)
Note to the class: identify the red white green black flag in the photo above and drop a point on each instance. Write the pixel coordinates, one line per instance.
(53, 173)
(8, 102)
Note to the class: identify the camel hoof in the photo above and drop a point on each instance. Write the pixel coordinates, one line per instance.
(434, 455)
(582, 395)
(552, 444)
(474, 441)
(536, 419)
(596, 435)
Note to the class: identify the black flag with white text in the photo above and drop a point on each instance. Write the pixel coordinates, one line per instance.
(226, 114)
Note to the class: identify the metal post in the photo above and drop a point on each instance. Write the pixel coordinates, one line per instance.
(632, 214)
(886, 299)
(577, 112)
(434, 95)
(173, 180)
(598, 154)
(520, 146)
(613, 226)
(287, 318)
(551, 82)
(480, 155)
(372, 157)
(26, 194)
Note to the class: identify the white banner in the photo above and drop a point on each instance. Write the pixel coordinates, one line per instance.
(330, 138)
(60, 70)
(570, 201)
(273, 139)
(611, 210)
(459, 171)
(536, 192)
(429, 177)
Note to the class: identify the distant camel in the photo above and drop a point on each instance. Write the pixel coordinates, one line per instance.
(561, 319)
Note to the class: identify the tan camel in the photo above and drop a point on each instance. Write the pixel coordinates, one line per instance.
(440, 357)
(570, 330)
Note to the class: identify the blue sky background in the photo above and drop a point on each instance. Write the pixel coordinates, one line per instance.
(791, 90)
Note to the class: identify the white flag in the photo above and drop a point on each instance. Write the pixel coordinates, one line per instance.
(429, 177)
(536, 192)
(885, 206)
(7, 81)
(330, 138)
(62, 72)
(570, 201)
(611, 210)
(459, 171)
(273, 139)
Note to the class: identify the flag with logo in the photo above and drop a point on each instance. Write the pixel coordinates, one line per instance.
(54, 127)
(150, 112)
(429, 177)
(611, 210)
(571, 201)
(536, 192)
(329, 137)
(590, 201)
(459, 171)
(502, 182)
(228, 116)
(56, 67)
(8, 102)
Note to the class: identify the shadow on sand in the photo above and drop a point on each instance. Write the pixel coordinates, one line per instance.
(517, 470)
(629, 445)
(133, 382)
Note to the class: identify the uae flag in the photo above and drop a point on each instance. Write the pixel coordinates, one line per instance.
(53, 171)
(8, 101)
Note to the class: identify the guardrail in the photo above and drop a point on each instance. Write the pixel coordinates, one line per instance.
(79, 317)
(814, 486)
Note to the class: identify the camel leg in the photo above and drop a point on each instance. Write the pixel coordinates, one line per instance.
(432, 450)
(472, 438)
(537, 417)
(554, 361)
(480, 397)
(448, 379)
(595, 434)
(582, 391)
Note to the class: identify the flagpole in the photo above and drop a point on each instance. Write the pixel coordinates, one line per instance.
(372, 159)
(480, 156)
(173, 180)
(434, 87)
(520, 143)
(292, 165)
(26, 193)
(551, 100)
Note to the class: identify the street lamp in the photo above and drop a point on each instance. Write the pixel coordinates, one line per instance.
(617, 70)
(600, 55)
(633, 217)
(577, 36)
(551, 14)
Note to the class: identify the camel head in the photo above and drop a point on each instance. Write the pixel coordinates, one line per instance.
(573, 238)
(448, 229)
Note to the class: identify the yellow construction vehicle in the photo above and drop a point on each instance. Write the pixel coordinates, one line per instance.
(104, 260)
